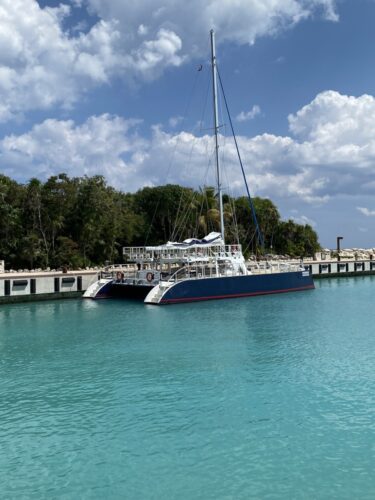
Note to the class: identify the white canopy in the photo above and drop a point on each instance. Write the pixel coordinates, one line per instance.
(212, 239)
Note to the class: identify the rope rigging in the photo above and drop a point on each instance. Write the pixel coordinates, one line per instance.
(187, 108)
(259, 233)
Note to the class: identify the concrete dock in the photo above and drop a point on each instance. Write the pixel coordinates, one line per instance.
(44, 285)
(342, 268)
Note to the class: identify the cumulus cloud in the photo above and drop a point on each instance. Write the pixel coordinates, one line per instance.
(335, 139)
(44, 65)
(241, 21)
(106, 145)
(175, 120)
(152, 56)
(330, 152)
(333, 117)
(41, 65)
(366, 211)
(329, 9)
(303, 219)
(245, 116)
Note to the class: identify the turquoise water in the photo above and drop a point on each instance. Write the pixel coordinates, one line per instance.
(269, 397)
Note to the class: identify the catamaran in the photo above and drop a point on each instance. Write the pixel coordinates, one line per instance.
(200, 269)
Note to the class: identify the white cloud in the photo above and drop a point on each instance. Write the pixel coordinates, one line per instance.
(152, 56)
(248, 115)
(42, 65)
(336, 142)
(329, 8)
(142, 30)
(367, 212)
(333, 117)
(280, 60)
(175, 120)
(105, 145)
(303, 219)
(60, 12)
(332, 154)
(241, 21)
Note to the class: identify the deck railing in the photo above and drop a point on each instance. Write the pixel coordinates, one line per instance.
(181, 253)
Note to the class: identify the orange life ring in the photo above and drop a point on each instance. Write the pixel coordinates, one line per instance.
(149, 277)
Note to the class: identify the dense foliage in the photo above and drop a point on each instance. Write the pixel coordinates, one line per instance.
(83, 221)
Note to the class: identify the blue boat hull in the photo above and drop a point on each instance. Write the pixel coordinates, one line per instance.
(237, 286)
(115, 290)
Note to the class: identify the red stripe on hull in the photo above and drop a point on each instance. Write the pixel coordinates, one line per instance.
(233, 296)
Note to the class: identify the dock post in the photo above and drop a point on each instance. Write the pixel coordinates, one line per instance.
(339, 238)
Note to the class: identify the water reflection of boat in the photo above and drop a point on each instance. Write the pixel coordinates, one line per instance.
(198, 269)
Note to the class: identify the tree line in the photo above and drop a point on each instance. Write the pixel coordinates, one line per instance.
(82, 221)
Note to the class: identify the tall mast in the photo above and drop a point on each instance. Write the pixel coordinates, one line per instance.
(216, 128)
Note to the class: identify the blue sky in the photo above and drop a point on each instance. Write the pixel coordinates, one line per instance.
(111, 87)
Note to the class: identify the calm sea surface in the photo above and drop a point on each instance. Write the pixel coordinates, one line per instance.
(269, 397)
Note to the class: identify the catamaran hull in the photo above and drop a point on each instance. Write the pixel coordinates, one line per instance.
(114, 290)
(195, 290)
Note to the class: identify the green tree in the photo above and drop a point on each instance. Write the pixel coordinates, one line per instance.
(35, 224)
(169, 212)
(59, 196)
(295, 239)
(11, 228)
(83, 221)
